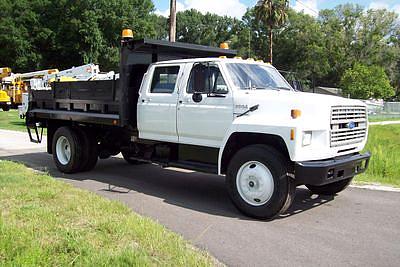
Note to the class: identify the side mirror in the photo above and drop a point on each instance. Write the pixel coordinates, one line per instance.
(197, 97)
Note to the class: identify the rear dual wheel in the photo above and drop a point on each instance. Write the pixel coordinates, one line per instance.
(74, 150)
(91, 153)
(258, 183)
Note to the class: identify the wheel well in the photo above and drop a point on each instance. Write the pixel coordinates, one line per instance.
(52, 127)
(239, 140)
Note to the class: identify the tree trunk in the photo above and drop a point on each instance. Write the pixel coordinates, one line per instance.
(172, 21)
(270, 44)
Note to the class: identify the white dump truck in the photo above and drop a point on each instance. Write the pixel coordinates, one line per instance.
(199, 108)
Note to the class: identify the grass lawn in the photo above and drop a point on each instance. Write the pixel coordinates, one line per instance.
(377, 118)
(45, 222)
(10, 120)
(384, 166)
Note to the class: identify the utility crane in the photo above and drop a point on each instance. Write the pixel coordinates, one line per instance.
(17, 84)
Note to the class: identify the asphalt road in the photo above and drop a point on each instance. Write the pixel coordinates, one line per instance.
(356, 228)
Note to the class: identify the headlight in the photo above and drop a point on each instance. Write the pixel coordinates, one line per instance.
(8, 103)
(307, 137)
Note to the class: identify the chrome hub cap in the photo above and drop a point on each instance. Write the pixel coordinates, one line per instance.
(63, 150)
(255, 183)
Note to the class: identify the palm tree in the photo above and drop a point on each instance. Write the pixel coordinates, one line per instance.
(273, 13)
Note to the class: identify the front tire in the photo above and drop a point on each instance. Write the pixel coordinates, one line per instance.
(258, 183)
(330, 189)
(67, 150)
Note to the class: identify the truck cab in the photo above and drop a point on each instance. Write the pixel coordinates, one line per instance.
(218, 114)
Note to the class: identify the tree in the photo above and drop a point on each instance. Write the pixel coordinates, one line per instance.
(300, 48)
(366, 82)
(272, 13)
(40, 34)
(208, 29)
(352, 34)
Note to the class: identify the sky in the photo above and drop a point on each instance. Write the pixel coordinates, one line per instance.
(236, 8)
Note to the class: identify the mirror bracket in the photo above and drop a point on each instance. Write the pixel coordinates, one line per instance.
(197, 97)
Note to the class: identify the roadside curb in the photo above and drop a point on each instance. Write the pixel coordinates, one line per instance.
(376, 187)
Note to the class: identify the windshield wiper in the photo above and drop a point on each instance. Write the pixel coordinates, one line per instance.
(283, 88)
(251, 109)
(262, 88)
(216, 95)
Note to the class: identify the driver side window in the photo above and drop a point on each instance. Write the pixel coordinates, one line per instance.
(206, 78)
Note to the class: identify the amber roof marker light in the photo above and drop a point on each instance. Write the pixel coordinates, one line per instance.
(224, 45)
(127, 34)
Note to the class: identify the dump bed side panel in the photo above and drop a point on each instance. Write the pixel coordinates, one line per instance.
(80, 101)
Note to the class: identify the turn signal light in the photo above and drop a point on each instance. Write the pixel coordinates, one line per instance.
(127, 33)
(292, 134)
(295, 113)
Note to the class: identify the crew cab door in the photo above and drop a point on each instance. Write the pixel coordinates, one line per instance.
(157, 104)
(205, 106)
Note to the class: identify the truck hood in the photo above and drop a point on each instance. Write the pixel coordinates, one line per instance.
(275, 106)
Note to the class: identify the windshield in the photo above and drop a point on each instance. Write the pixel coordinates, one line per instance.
(255, 76)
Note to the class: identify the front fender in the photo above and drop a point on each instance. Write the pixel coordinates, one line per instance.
(282, 131)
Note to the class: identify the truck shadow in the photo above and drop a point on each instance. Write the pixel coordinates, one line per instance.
(191, 190)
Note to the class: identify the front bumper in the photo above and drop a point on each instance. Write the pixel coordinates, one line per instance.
(323, 172)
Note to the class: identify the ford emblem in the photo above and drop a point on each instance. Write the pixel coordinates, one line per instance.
(351, 125)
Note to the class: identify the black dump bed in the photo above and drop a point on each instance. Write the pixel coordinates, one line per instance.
(111, 102)
(82, 101)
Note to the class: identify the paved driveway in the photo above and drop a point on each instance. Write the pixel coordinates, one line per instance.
(358, 227)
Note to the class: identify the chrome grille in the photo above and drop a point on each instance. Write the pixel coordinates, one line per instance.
(348, 125)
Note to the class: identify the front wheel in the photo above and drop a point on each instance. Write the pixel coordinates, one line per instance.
(330, 189)
(258, 183)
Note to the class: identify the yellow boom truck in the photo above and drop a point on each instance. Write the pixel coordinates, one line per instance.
(17, 84)
(5, 101)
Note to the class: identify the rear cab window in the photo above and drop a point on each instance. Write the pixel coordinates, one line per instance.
(164, 79)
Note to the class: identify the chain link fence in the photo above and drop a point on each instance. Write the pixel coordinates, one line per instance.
(381, 110)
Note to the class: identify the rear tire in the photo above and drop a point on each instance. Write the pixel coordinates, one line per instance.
(90, 149)
(330, 189)
(67, 150)
(258, 183)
